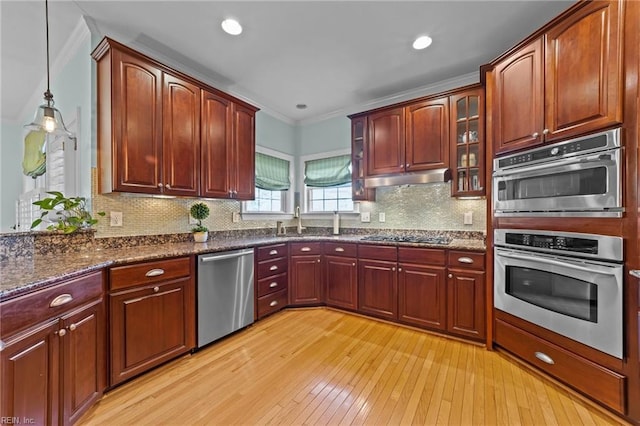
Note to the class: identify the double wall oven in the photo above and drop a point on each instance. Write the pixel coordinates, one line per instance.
(568, 282)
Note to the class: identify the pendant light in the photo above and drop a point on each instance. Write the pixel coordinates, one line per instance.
(48, 117)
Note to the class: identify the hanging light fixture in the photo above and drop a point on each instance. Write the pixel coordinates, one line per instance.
(48, 117)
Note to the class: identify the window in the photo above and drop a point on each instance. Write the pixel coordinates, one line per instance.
(273, 182)
(327, 183)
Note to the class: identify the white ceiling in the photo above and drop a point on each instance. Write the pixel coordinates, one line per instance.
(333, 56)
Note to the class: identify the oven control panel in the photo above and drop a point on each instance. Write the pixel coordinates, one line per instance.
(552, 242)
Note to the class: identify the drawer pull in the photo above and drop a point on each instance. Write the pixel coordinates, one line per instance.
(72, 327)
(154, 272)
(61, 300)
(635, 273)
(1, 345)
(465, 260)
(273, 284)
(273, 252)
(305, 249)
(339, 249)
(274, 303)
(273, 268)
(544, 358)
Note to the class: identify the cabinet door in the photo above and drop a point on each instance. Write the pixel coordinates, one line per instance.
(83, 360)
(422, 296)
(137, 125)
(378, 288)
(466, 306)
(385, 146)
(149, 326)
(583, 76)
(244, 148)
(216, 152)
(358, 161)
(427, 135)
(518, 99)
(30, 375)
(306, 280)
(180, 137)
(341, 277)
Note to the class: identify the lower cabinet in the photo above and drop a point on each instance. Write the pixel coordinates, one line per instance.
(466, 294)
(422, 298)
(152, 318)
(53, 371)
(378, 288)
(341, 276)
(305, 272)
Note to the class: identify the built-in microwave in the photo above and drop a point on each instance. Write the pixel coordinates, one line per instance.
(578, 177)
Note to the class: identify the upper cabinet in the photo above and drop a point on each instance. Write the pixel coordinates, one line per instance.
(427, 135)
(162, 132)
(385, 147)
(566, 83)
(358, 161)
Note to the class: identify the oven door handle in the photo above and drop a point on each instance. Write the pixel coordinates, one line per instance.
(556, 263)
(586, 159)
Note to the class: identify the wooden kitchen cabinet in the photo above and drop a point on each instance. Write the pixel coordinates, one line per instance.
(564, 84)
(341, 275)
(385, 144)
(427, 135)
(467, 142)
(422, 287)
(466, 294)
(272, 279)
(152, 318)
(52, 365)
(378, 281)
(163, 132)
(358, 161)
(305, 266)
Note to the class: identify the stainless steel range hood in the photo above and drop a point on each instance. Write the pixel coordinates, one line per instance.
(427, 176)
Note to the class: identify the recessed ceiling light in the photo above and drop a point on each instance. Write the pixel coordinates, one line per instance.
(422, 42)
(231, 26)
(301, 106)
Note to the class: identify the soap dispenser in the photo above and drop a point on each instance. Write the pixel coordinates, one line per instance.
(336, 223)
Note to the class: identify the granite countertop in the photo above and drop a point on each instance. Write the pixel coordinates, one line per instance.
(26, 274)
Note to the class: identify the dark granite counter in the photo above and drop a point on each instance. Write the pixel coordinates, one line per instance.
(23, 274)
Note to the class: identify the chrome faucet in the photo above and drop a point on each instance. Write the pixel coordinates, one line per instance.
(299, 216)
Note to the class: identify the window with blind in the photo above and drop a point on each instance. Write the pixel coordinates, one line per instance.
(273, 182)
(328, 184)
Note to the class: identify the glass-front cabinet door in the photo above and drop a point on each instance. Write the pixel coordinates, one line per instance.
(467, 143)
(358, 161)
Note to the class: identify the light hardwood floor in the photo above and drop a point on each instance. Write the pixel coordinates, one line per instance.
(320, 366)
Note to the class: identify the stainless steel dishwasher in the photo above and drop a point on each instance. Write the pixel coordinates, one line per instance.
(225, 294)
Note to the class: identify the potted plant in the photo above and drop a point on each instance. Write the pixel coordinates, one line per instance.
(66, 215)
(200, 211)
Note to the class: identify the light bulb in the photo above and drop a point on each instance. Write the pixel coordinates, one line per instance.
(231, 26)
(422, 42)
(49, 124)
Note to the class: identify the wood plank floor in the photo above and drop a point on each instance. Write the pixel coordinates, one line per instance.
(320, 366)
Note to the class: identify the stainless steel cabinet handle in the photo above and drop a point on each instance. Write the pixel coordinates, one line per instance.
(273, 284)
(154, 272)
(61, 300)
(305, 249)
(61, 332)
(156, 289)
(1, 345)
(465, 260)
(217, 257)
(72, 327)
(273, 252)
(544, 358)
(273, 268)
(340, 249)
(535, 134)
(274, 303)
(635, 273)
(545, 132)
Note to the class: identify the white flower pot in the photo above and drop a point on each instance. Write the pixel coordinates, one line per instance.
(201, 237)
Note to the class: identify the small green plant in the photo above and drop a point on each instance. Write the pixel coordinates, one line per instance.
(199, 211)
(71, 213)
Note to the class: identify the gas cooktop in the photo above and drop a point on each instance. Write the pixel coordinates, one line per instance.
(409, 239)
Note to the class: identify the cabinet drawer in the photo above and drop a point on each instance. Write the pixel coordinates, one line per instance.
(601, 384)
(272, 267)
(30, 309)
(272, 252)
(436, 257)
(466, 259)
(370, 251)
(341, 249)
(272, 284)
(272, 302)
(306, 248)
(148, 272)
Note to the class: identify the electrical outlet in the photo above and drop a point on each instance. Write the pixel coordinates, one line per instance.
(468, 218)
(365, 217)
(235, 217)
(115, 218)
(382, 217)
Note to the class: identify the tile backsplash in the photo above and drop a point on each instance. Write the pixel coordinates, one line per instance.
(424, 207)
